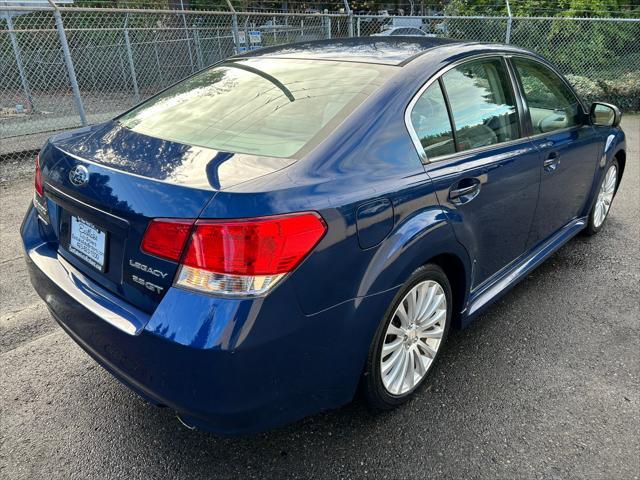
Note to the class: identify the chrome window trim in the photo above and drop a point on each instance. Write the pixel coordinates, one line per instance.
(553, 69)
(407, 113)
(516, 91)
(473, 151)
(554, 132)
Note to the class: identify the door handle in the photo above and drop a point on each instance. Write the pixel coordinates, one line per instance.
(460, 192)
(466, 193)
(551, 162)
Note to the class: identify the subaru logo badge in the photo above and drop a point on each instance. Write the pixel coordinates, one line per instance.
(79, 175)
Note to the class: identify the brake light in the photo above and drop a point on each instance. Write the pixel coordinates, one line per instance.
(38, 178)
(166, 237)
(249, 256)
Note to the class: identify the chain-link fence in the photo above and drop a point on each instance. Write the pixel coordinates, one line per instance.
(66, 67)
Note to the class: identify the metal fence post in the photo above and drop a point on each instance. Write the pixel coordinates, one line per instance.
(350, 17)
(155, 50)
(247, 43)
(358, 26)
(234, 27)
(286, 29)
(16, 53)
(69, 63)
(219, 44)
(326, 20)
(275, 34)
(199, 56)
(132, 67)
(186, 34)
(509, 22)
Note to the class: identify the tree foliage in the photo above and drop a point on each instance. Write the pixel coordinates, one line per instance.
(547, 8)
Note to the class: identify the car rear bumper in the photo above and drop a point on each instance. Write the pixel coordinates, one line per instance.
(224, 365)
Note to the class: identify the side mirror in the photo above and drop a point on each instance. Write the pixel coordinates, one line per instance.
(605, 114)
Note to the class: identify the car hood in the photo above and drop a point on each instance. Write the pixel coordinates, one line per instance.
(114, 146)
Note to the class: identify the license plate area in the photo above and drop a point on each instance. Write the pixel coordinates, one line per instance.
(87, 242)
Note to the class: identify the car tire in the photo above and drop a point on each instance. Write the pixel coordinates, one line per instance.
(606, 192)
(408, 334)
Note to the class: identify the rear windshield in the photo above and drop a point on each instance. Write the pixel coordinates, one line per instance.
(267, 107)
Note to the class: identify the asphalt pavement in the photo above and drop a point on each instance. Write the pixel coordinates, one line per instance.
(544, 385)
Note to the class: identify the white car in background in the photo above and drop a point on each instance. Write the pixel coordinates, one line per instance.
(402, 31)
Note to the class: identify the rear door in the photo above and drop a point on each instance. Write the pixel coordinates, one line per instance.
(486, 174)
(568, 146)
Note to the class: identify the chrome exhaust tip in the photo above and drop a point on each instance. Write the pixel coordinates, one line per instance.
(183, 422)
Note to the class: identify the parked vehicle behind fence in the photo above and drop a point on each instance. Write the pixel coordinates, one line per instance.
(260, 240)
(401, 32)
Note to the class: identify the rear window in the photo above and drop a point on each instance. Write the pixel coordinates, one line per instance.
(267, 107)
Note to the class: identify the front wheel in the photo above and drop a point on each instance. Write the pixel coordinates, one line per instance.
(409, 338)
(601, 207)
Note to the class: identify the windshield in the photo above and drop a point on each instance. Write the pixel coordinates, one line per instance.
(267, 107)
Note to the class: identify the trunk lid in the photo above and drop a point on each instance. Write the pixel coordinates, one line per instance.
(104, 184)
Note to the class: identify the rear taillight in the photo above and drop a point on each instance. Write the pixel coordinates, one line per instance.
(247, 257)
(235, 257)
(38, 178)
(165, 238)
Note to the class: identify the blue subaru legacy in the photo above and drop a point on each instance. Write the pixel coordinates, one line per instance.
(259, 241)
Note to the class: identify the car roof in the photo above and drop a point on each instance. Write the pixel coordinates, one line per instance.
(382, 50)
(385, 50)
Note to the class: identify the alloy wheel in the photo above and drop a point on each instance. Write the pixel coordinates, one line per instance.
(413, 337)
(605, 196)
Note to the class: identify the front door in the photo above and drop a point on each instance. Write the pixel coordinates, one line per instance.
(568, 147)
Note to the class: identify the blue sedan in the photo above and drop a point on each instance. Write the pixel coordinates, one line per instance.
(259, 241)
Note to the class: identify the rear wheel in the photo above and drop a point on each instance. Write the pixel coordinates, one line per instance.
(606, 192)
(410, 338)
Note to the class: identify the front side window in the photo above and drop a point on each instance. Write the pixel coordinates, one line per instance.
(431, 123)
(552, 105)
(482, 104)
(266, 107)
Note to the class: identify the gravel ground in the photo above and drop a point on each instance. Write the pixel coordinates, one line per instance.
(54, 113)
(544, 385)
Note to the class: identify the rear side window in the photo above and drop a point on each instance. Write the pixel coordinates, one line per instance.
(430, 121)
(552, 105)
(482, 104)
(266, 107)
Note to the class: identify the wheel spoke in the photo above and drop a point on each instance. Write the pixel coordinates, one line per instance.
(393, 330)
(401, 313)
(410, 375)
(435, 332)
(392, 361)
(420, 300)
(612, 175)
(387, 348)
(429, 352)
(420, 365)
(411, 305)
(431, 308)
(427, 302)
(396, 375)
(597, 216)
(437, 317)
